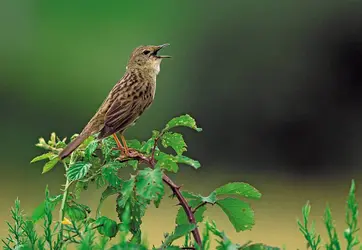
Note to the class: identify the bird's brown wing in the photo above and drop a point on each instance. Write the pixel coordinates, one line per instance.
(119, 116)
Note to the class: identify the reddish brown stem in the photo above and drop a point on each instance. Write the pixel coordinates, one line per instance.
(176, 191)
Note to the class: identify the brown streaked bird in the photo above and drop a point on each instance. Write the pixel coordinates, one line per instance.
(128, 99)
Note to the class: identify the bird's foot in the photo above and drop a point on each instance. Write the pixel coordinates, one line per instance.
(129, 154)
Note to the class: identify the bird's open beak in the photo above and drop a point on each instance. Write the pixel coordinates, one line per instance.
(159, 47)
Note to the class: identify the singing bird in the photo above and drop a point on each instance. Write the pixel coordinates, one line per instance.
(126, 102)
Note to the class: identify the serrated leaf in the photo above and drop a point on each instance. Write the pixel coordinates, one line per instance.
(185, 121)
(126, 191)
(239, 213)
(149, 185)
(180, 231)
(109, 227)
(239, 188)
(165, 161)
(50, 165)
(174, 140)
(49, 155)
(39, 211)
(188, 161)
(89, 150)
(110, 173)
(78, 170)
(108, 145)
(181, 217)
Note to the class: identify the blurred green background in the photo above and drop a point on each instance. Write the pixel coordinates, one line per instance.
(276, 86)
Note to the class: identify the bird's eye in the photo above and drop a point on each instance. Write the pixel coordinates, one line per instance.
(146, 52)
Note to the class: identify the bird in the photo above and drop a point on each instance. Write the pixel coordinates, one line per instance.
(126, 102)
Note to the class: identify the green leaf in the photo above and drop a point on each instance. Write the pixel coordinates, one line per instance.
(49, 155)
(209, 199)
(188, 161)
(109, 227)
(148, 146)
(185, 121)
(260, 246)
(110, 173)
(165, 161)
(239, 213)
(149, 185)
(135, 144)
(174, 140)
(76, 212)
(49, 165)
(100, 181)
(89, 150)
(181, 217)
(180, 231)
(239, 188)
(39, 211)
(108, 145)
(78, 170)
(126, 191)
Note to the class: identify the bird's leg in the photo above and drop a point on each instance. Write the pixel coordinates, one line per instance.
(126, 149)
(119, 145)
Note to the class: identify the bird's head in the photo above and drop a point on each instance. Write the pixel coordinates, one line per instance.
(147, 58)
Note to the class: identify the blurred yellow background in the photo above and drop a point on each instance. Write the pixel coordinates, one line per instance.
(275, 86)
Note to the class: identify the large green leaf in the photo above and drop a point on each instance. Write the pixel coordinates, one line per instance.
(126, 191)
(76, 212)
(50, 165)
(174, 140)
(109, 227)
(185, 121)
(239, 213)
(149, 185)
(165, 161)
(78, 170)
(110, 173)
(239, 188)
(49, 155)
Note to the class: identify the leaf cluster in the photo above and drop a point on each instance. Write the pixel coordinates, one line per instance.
(100, 163)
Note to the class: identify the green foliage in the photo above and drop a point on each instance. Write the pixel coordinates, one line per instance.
(78, 170)
(314, 240)
(99, 163)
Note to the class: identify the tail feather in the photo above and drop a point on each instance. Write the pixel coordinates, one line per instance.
(73, 145)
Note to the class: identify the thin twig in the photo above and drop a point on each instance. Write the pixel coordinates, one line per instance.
(176, 191)
(198, 206)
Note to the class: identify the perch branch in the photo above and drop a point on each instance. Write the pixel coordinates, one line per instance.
(175, 189)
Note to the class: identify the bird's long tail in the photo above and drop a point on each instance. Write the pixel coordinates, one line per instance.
(73, 145)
